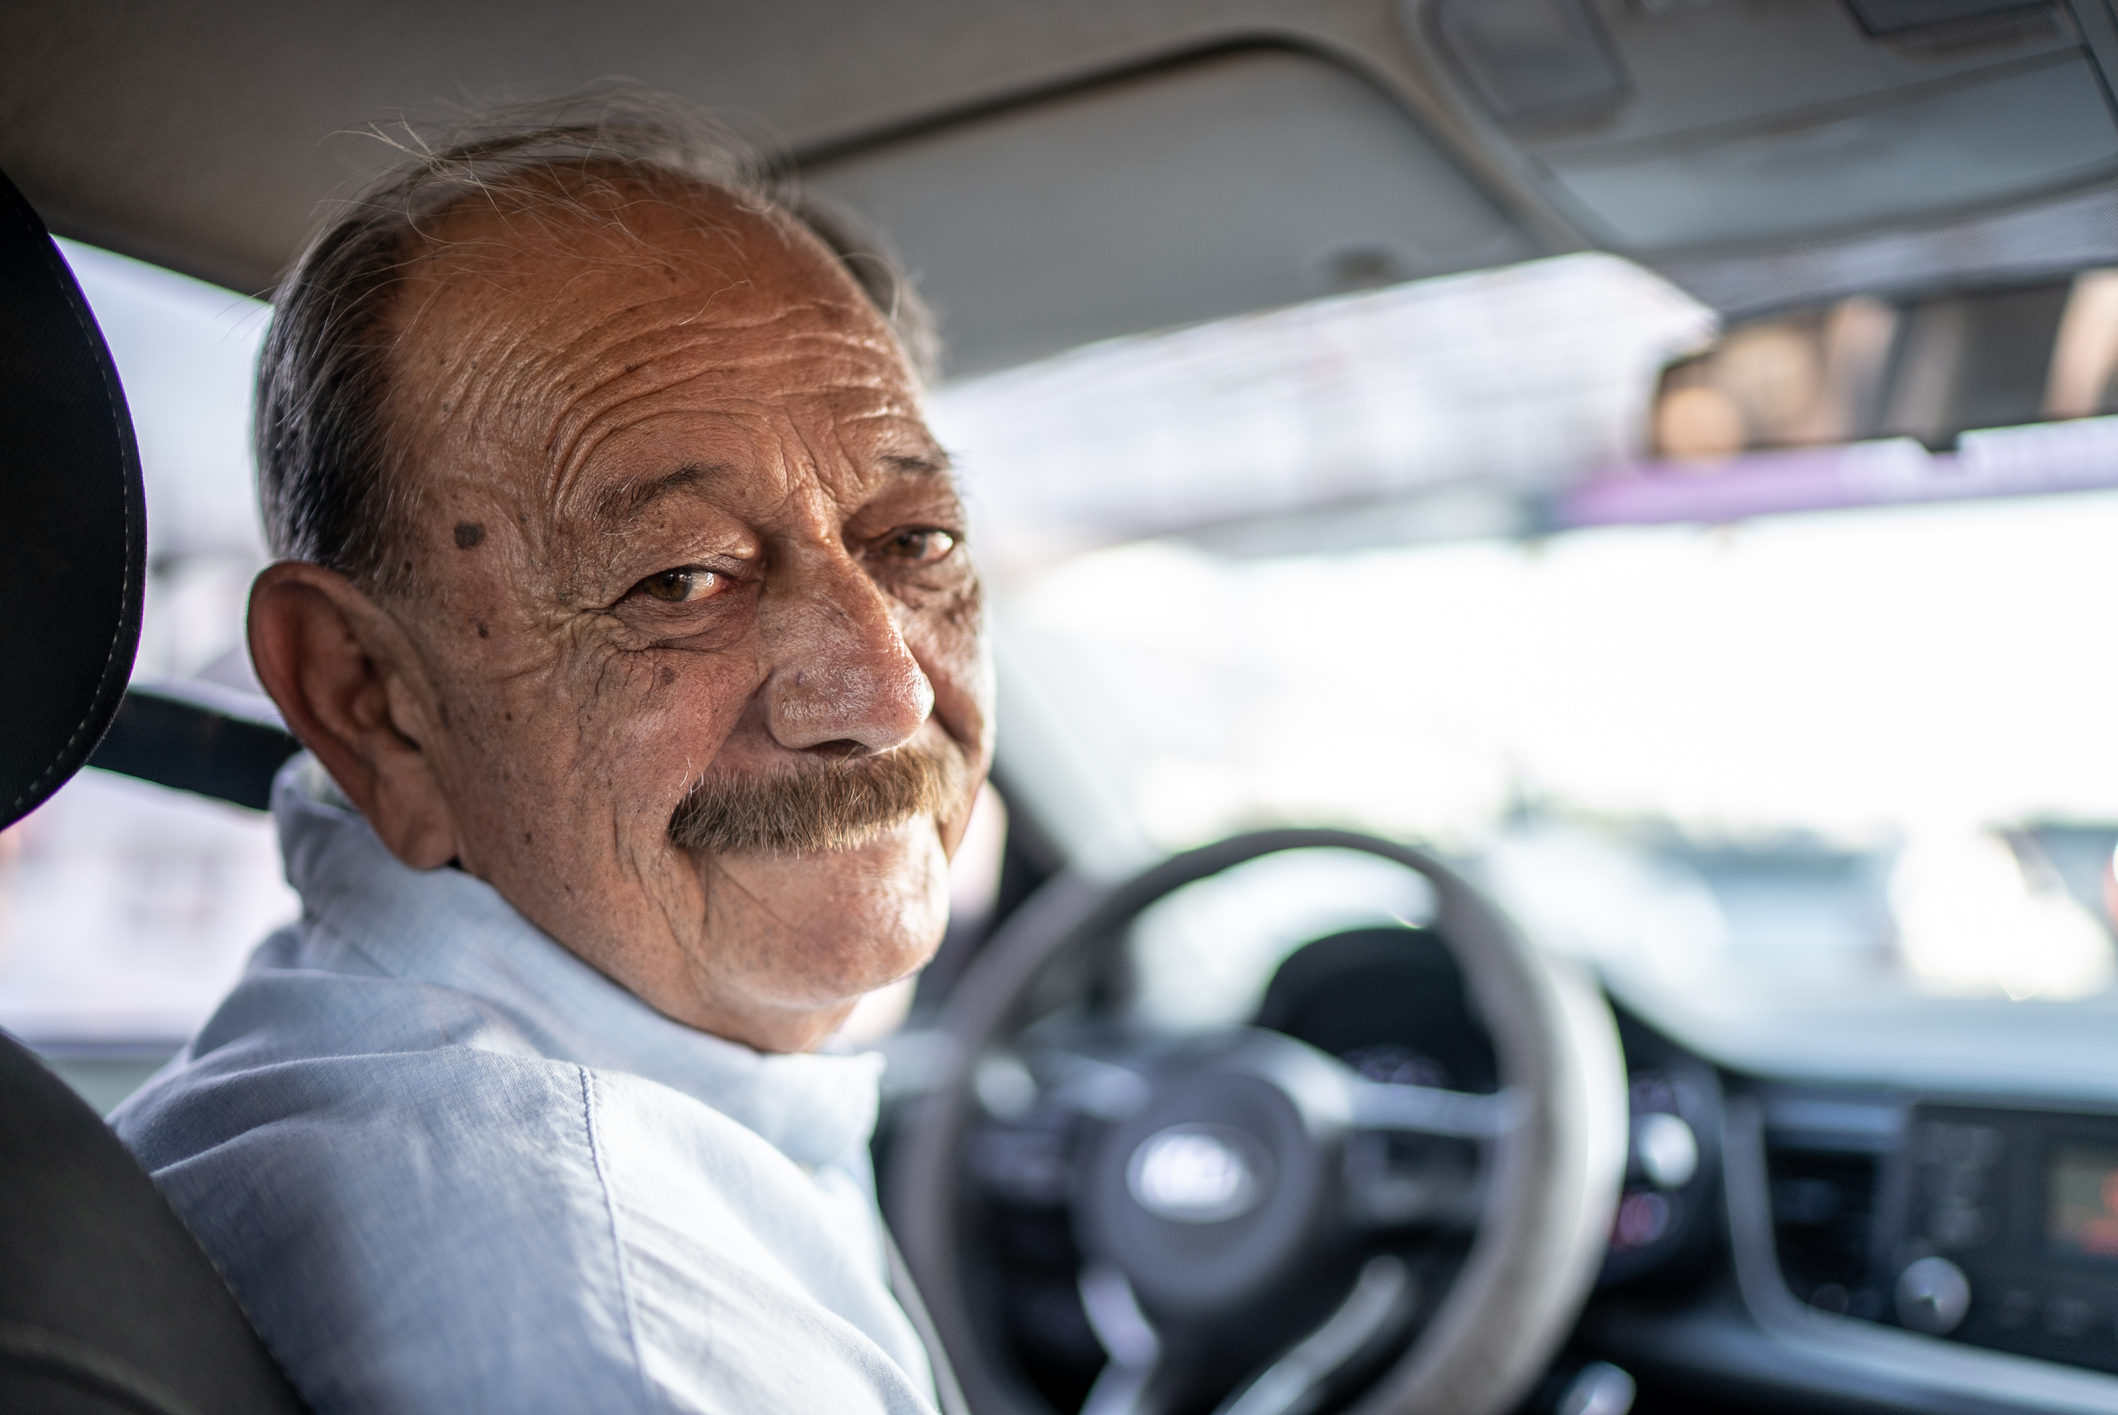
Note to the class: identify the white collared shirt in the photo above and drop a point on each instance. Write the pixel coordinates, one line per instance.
(449, 1167)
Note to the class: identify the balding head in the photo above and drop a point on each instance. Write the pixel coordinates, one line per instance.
(502, 322)
(324, 451)
(676, 643)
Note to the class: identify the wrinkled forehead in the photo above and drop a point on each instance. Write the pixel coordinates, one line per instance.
(555, 322)
(586, 236)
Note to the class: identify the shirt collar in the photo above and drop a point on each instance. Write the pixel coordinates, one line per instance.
(364, 911)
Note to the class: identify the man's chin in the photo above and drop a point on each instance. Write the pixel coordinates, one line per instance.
(836, 923)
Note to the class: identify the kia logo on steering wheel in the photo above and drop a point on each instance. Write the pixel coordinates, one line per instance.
(1199, 1173)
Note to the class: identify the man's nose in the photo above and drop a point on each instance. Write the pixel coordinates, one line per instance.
(841, 672)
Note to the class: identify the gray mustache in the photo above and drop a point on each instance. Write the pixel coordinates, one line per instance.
(831, 806)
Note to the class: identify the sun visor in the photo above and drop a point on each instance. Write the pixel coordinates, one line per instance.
(1188, 192)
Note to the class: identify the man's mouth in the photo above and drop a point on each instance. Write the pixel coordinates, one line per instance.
(829, 806)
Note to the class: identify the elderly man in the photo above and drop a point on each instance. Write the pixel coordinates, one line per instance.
(626, 616)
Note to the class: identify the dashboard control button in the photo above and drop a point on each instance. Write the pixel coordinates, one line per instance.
(2068, 1316)
(1667, 1149)
(1932, 1296)
(1600, 1389)
(1958, 1225)
(1643, 1217)
(2017, 1307)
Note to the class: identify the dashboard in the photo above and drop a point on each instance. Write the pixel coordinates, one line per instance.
(1876, 1249)
(1781, 1243)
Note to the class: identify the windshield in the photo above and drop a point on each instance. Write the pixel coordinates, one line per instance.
(1775, 766)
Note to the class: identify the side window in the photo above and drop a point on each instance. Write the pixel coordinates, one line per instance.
(126, 909)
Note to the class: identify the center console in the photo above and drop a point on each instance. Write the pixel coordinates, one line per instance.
(1999, 1228)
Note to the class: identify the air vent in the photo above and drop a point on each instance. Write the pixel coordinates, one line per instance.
(1823, 1219)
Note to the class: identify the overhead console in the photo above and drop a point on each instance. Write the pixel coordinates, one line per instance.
(1659, 126)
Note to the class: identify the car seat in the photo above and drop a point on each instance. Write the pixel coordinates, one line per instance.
(107, 1303)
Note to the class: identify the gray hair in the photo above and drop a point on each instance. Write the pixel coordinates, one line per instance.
(325, 469)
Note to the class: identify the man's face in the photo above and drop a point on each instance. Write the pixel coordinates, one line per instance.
(679, 535)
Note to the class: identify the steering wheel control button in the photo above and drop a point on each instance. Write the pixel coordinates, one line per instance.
(1666, 1148)
(1955, 1182)
(1199, 1173)
(1932, 1296)
(1004, 1086)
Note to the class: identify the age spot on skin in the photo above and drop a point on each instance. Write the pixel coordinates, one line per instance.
(468, 534)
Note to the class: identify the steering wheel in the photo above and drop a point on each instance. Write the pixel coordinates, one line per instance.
(1242, 1249)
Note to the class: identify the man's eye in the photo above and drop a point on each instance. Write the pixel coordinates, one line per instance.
(922, 547)
(678, 586)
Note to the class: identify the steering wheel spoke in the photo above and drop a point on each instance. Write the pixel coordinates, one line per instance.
(1129, 1384)
(1360, 1332)
(1429, 1110)
(1146, 1374)
(1399, 1183)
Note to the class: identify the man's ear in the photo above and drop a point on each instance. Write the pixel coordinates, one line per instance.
(343, 674)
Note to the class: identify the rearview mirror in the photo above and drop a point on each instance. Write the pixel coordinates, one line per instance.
(1927, 367)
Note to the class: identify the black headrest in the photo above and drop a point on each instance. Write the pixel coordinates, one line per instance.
(73, 527)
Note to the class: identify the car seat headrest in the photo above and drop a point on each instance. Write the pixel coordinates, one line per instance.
(73, 528)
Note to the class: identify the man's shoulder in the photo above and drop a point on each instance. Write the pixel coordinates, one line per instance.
(288, 1043)
(359, 1203)
(410, 1228)
(424, 1202)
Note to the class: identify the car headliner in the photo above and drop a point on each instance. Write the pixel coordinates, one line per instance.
(207, 133)
(210, 137)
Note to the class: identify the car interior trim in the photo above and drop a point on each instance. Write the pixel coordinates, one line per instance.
(1827, 1345)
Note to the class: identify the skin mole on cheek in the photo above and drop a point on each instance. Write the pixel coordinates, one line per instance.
(481, 629)
(468, 534)
(666, 676)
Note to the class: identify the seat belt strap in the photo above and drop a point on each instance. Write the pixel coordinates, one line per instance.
(949, 1393)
